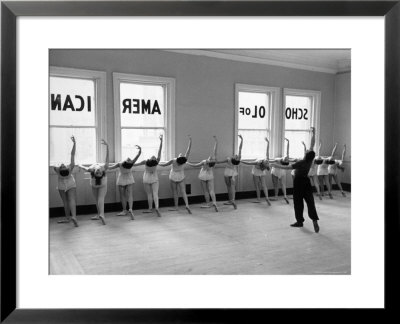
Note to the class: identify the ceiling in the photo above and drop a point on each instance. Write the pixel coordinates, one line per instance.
(320, 60)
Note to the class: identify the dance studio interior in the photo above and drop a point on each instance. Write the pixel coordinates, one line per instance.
(220, 109)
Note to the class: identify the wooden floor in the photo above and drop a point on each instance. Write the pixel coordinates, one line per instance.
(254, 239)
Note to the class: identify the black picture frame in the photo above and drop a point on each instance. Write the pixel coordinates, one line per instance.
(11, 10)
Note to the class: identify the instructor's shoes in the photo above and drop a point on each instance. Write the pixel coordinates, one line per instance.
(297, 224)
(316, 226)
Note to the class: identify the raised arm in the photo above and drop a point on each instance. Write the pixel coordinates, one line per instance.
(334, 150)
(312, 144)
(305, 148)
(160, 148)
(73, 153)
(240, 146)
(287, 147)
(214, 155)
(267, 152)
(138, 154)
(189, 147)
(344, 152)
(107, 154)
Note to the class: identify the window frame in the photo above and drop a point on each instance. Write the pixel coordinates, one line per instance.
(169, 115)
(100, 81)
(274, 94)
(315, 115)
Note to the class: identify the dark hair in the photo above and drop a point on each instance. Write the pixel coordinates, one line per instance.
(234, 161)
(127, 165)
(64, 172)
(211, 164)
(151, 163)
(98, 179)
(181, 160)
(317, 161)
(310, 155)
(331, 162)
(284, 163)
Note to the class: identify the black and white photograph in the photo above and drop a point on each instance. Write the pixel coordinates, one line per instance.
(200, 161)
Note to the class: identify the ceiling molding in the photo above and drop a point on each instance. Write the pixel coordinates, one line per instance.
(248, 59)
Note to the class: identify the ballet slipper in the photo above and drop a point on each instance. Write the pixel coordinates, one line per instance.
(228, 203)
(188, 210)
(205, 206)
(234, 205)
(97, 217)
(148, 211)
(174, 209)
(330, 196)
(343, 194)
(75, 221)
(158, 213)
(123, 213)
(103, 220)
(286, 199)
(256, 202)
(216, 208)
(131, 214)
(268, 202)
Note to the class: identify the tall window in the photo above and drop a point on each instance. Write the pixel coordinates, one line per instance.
(143, 110)
(254, 112)
(301, 111)
(75, 104)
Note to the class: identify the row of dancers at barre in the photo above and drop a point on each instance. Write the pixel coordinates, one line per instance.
(323, 171)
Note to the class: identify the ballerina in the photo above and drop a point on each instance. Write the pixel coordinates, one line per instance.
(150, 179)
(98, 182)
(206, 176)
(125, 182)
(259, 172)
(67, 187)
(177, 176)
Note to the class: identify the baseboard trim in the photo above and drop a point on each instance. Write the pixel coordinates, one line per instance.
(167, 202)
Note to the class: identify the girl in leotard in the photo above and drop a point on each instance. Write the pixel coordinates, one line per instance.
(322, 171)
(206, 177)
(67, 187)
(98, 182)
(332, 170)
(150, 179)
(231, 172)
(177, 176)
(259, 171)
(279, 175)
(125, 182)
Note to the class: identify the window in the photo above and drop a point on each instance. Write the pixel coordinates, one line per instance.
(76, 108)
(144, 109)
(300, 113)
(255, 106)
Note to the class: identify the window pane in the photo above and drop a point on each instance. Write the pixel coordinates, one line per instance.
(147, 139)
(61, 145)
(253, 110)
(254, 145)
(142, 105)
(296, 149)
(72, 102)
(298, 112)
